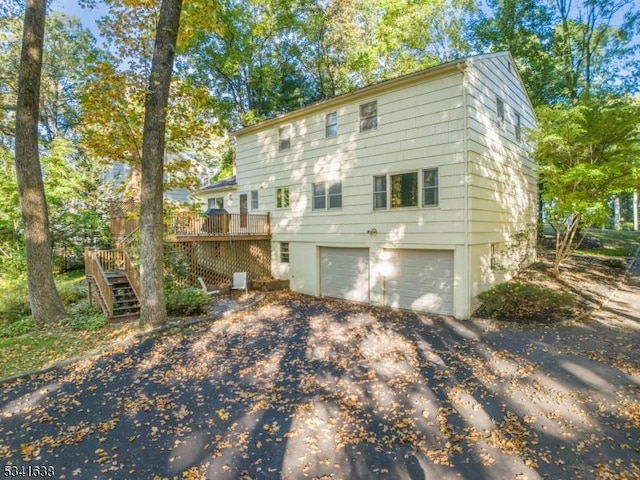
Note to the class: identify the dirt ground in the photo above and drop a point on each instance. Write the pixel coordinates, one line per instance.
(589, 280)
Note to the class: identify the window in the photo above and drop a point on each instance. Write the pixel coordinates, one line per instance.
(254, 200)
(284, 137)
(430, 187)
(404, 190)
(369, 116)
(326, 195)
(216, 202)
(282, 197)
(500, 111)
(380, 192)
(331, 125)
(518, 127)
(284, 252)
(319, 196)
(335, 195)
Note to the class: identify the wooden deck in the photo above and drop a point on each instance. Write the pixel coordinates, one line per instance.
(194, 227)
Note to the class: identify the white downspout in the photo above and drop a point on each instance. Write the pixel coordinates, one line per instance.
(465, 155)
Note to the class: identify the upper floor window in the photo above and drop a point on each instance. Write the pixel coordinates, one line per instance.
(369, 116)
(518, 127)
(215, 202)
(404, 190)
(254, 200)
(380, 192)
(326, 195)
(284, 137)
(331, 125)
(407, 189)
(500, 111)
(430, 187)
(282, 197)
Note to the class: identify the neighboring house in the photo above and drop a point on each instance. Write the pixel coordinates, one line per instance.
(415, 193)
(120, 173)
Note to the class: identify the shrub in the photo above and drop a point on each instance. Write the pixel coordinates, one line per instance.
(185, 300)
(14, 301)
(84, 316)
(519, 302)
(17, 327)
(71, 293)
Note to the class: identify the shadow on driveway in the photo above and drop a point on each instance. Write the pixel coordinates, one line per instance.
(308, 388)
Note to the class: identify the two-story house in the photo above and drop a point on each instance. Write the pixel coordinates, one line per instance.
(415, 193)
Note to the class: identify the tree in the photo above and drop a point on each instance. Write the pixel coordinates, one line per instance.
(46, 305)
(152, 303)
(565, 48)
(113, 97)
(586, 152)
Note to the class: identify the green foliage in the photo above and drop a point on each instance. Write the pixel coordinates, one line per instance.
(19, 326)
(71, 291)
(14, 301)
(84, 316)
(522, 303)
(185, 300)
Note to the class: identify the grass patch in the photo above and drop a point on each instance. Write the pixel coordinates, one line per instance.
(25, 346)
(616, 243)
(42, 347)
(524, 303)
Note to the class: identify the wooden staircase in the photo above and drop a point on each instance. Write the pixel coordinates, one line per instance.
(126, 305)
(114, 283)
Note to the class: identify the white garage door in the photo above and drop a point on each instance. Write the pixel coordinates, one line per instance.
(344, 273)
(420, 280)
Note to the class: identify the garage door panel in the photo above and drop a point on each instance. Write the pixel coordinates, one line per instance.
(422, 280)
(344, 273)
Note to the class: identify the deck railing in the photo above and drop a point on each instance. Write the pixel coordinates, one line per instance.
(196, 224)
(229, 224)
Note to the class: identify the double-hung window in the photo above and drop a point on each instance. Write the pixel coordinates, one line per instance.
(500, 111)
(284, 252)
(254, 199)
(282, 197)
(380, 192)
(369, 116)
(284, 137)
(331, 125)
(430, 187)
(518, 127)
(326, 196)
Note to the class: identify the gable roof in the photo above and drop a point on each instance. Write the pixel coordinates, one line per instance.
(376, 88)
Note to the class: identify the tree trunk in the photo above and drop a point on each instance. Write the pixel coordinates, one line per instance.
(564, 242)
(46, 305)
(152, 303)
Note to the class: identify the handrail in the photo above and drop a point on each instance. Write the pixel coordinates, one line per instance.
(129, 238)
(132, 273)
(94, 268)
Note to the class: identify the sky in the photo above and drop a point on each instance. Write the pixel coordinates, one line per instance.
(87, 16)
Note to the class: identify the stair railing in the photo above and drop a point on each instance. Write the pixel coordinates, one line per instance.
(94, 269)
(131, 271)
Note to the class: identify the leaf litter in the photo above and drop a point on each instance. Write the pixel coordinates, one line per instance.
(306, 388)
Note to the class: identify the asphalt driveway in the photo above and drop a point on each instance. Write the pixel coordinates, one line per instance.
(304, 388)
